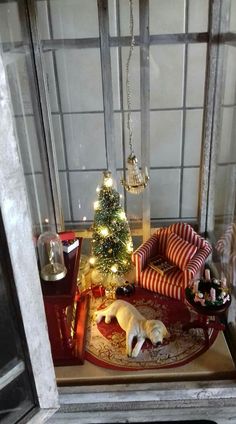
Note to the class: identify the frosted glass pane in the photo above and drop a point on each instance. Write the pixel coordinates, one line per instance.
(198, 15)
(232, 26)
(83, 189)
(164, 187)
(136, 141)
(85, 140)
(134, 208)
(190, 188)
(10, 22)
(221, 196)
(74, 18)
(80, 83)
(38, 199)
(167, 16)
(196, 74)
(230, 75)
(136, 125)
(166, 138)
(166, 76)
(58, 138)
(134, 72)
(65, 196)
(227, 150)
(124, 17)
(193, 137)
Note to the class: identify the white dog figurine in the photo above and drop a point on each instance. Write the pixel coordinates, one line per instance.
(134, 324)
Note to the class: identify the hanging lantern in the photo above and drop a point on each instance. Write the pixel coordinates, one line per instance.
(135, 182)
(51, 257)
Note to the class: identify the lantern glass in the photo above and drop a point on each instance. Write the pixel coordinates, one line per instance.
(51, 257)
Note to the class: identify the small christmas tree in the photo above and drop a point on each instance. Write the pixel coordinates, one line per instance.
(112, 245)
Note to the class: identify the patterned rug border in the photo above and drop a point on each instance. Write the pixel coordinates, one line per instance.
(91, 356)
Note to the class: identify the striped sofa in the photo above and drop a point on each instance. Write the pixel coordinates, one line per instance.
(181, 246)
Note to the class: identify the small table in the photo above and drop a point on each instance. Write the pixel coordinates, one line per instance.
(204, 319)
(66, 313)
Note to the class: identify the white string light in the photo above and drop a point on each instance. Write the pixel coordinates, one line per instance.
(114, 268)
(104, 231)
(96, 205)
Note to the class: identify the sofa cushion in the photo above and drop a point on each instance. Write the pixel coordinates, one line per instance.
(179, 251)
(186, 232)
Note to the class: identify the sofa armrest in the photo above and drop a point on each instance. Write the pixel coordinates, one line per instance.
(196, 263)
(143, 254)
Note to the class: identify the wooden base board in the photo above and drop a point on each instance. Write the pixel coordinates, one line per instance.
(214, 363)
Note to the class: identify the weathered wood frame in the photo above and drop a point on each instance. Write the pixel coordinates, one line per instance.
(107, 85)
(218, 14)
(145, 110)
(18, 230)
(41, 107)
(149, 402)
(153, 402)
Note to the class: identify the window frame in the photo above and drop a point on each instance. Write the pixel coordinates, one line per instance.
(144, 41)
(18, 230)
(148, 402)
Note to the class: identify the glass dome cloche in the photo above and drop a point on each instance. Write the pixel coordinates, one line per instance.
(51, 259)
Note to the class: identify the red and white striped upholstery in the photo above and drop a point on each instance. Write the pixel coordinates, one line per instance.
(226, 247)
(179, 251)
(227, 243)
(174, 282)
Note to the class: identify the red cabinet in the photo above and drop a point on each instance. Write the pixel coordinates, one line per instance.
(66, 311)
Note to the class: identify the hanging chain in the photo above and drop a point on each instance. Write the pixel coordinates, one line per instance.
(135, 182)
(128, 89)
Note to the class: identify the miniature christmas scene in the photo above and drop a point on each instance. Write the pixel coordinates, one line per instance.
(131, 234)
(162, 299)
(152, 308)
(118, 210)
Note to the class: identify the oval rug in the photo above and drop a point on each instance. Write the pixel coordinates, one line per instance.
(105, 343)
